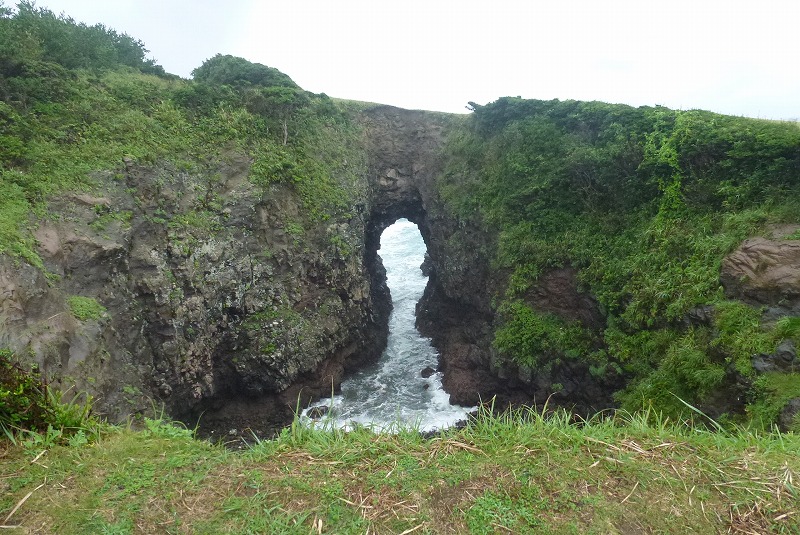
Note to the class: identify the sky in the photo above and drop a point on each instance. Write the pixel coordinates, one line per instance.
(735, 57)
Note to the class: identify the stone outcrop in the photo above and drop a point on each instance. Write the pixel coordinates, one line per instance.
(765, 272)
(783, 360)
(229, 312)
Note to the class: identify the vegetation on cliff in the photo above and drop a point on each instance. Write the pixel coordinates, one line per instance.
(77, 99)
(644, 203)
(230, 185)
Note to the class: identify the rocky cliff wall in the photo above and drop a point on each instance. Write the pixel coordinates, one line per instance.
(225, 301)
(215, 294)
(228, 303)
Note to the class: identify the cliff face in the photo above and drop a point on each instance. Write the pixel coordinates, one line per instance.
(238, 302)
(223, 300)
(227, 304)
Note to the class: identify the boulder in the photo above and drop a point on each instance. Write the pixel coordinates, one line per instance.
(701, 315)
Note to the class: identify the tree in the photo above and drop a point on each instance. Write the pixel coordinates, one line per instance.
(41, 35)
(283, 102)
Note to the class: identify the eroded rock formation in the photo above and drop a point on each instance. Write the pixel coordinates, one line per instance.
(205, 314)
(243, 311)
(246, 310)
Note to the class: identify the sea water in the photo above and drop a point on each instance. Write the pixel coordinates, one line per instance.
(392, 390)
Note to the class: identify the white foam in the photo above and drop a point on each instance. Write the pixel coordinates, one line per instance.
(392, 392)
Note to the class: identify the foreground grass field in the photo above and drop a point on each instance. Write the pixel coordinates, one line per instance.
(510, 474)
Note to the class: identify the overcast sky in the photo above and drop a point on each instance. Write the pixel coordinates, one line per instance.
(736, 57)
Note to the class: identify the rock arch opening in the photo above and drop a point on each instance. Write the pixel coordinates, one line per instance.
(403, 385)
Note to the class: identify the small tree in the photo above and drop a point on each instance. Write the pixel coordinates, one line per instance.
(283, 102)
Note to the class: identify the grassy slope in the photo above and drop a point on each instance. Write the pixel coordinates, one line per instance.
(644, 203)
(496, 476)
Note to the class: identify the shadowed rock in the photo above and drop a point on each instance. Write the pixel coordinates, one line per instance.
(784, 359)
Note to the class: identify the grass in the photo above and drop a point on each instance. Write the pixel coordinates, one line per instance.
(516, 473)
(85, 308)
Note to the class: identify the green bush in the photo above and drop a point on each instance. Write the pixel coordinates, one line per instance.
(232, 70)
(538, 340)
(41, 34)
(687, 371)
(44, 415)
(770, 394)
(23, 397)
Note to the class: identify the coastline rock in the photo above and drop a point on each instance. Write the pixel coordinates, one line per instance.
(427, 372)
(427, 266)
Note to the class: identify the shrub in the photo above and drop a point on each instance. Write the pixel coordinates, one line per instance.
(29, 405)
(23, 398)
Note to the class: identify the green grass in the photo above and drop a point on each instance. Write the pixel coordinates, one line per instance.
(518, 473)
(775, 391)
(85, 308)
